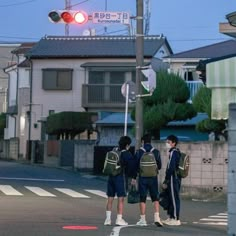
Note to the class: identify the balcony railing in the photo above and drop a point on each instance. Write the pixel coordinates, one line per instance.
(102, 96)
(193, 87)
(109, 96)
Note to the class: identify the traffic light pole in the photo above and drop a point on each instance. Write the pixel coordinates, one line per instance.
(139, 64)
(232, 170)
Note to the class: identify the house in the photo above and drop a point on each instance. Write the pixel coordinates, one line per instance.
(74, 73)
(6, 59)
(185, 63)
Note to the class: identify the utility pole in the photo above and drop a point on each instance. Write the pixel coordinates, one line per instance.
(232, 170)
(139, 64)
(67, 7)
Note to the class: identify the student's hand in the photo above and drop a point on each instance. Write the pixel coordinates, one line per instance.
(133, 181)
(164, 186)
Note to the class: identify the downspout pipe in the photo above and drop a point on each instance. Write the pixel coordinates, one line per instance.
(30, 109)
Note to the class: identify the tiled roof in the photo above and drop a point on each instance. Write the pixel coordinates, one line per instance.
(214, 50)
(189, 122)
(23, 48)
(116, 118)
(94, 46)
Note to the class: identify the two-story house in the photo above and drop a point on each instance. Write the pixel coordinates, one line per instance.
(77, 73)
(18, 94)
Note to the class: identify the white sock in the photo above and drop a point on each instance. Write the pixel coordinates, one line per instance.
(119, 217)
(143, 217)
(108, 214)
(156, 216)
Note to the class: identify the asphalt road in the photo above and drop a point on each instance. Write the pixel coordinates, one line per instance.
(39, 201)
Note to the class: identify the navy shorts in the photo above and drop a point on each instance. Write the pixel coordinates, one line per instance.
(148, 185)
(116, 185)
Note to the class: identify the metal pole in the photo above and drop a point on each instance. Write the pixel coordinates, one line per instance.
(232, 170)
(126, 107)
(67, 27)
(139, 63)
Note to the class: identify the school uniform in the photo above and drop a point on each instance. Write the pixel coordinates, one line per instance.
(173, 184)
(148, 184)
(118, 185)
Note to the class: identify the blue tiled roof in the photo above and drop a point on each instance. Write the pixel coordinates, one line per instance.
(94, 46)
(189, 122)
(116, 118)
(211, 51)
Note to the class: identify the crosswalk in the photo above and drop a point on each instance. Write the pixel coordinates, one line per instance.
(220, 219)
(9, 190)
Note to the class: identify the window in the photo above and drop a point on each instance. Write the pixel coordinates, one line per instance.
(57, 79)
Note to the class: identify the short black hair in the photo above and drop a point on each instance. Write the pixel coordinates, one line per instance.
(173, 138)
(124, 141)
(146, 138)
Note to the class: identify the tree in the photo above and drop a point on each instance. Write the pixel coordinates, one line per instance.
(169, 102)
(2, 124)
(202, 103)
(69, 124)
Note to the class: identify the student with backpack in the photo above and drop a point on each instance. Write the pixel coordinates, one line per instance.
(117, 172)
(172, 182)
(148, 165)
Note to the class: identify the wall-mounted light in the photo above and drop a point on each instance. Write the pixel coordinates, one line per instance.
(231, 17)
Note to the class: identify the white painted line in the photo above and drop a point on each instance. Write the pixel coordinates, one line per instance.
(40, 192)
(220, 216)
(210, 219)
(8, 190)
(32, 179)
(71, 193)
(211, 223)
(116, 230)
(97, 192)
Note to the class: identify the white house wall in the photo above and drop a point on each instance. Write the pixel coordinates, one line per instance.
(12, 88)
(45, 100)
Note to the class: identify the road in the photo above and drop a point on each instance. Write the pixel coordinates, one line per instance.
(42, 201)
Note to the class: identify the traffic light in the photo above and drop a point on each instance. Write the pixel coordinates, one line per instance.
(68, 17)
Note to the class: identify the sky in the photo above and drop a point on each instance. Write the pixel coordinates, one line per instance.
(187, 24)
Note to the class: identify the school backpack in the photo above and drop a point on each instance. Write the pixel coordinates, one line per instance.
(111, 164)
(148, 164)
(184, 163)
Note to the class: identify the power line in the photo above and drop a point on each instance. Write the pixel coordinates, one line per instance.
(20, 3)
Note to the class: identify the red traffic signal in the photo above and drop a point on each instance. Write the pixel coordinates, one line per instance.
(68, 17)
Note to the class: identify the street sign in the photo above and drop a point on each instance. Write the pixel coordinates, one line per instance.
(130, 85)
(111, 18)
(149, 85)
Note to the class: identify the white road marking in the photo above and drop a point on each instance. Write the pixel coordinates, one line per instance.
(219, 219)
(212, 223)
(97, 192)
(211, 219)
(32, 179)
(72, 193)
(40, 192)
(8, 190)
(116, 230)
(220, 216)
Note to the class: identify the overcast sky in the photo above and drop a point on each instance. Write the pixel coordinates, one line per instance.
(187, 24)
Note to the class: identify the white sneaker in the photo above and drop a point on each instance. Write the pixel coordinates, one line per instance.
(158, 222)
(121, 222)
(107, 221)
(142, 222)
(173, 222)
(166, 221)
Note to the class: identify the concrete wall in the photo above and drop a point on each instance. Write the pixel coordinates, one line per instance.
(208, 167)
